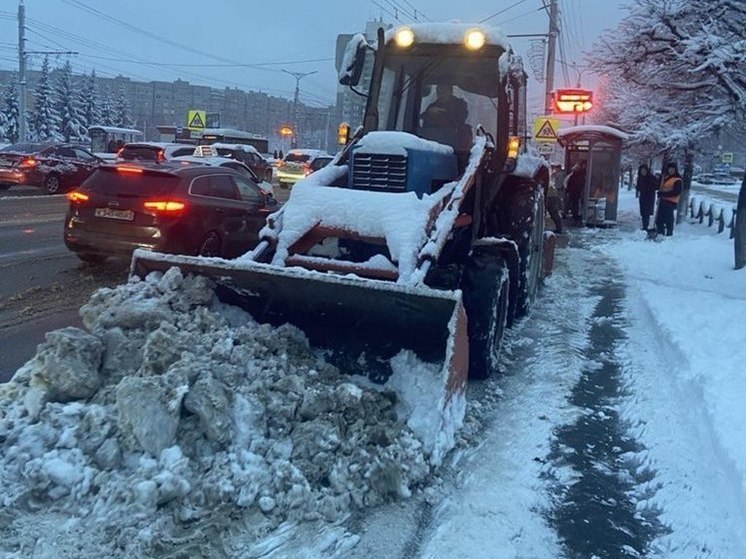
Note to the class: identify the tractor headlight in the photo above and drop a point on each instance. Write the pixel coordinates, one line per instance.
(404, 37)
(474, 39)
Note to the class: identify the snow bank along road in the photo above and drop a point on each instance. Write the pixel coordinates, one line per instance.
(42, 284)
(603, 437)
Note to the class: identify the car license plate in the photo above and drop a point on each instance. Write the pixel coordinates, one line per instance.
(124, 215)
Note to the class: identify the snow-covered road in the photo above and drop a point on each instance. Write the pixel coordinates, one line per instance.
(614, 431)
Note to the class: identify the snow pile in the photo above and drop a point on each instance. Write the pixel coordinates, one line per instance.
(179, 420)
(401, 218)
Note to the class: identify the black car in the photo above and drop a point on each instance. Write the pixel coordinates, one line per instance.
(248, 155)
(54, 167)
(183, 209)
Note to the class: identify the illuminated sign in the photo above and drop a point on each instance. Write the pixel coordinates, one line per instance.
(573, 100)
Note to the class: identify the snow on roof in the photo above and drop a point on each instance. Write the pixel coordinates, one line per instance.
(401, 218)
(450, 33)
(238, 147)
(309, 153)
(396, 143)
(231, 132)
(210, 160)
(593, 128)
(528, 163)
(115, 129)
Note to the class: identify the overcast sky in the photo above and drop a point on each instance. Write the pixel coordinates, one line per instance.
(201, 42)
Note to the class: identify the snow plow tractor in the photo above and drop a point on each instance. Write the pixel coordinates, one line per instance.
(406, 257)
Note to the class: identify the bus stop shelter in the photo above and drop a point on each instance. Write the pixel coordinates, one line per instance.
(600, 147)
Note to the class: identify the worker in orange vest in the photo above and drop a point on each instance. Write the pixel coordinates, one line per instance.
(668, 199)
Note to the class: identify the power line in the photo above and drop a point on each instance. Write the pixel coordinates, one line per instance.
(499, 12)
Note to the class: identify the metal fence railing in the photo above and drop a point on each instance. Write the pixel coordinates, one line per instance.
(702, 208)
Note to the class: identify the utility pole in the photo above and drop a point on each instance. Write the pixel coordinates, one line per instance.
(551, 54)
(22, 126)
(298, 77)
(22, 54)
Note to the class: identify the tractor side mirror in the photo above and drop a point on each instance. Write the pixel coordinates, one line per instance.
(353, 60)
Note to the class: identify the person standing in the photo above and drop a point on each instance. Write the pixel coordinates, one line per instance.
(554, 200)
(668, 200)
(646, 186)
(739, 237)
(575, 190)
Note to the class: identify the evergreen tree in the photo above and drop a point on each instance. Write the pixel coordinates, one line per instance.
(44, 120)
(10, 114)
(89, 102)
(121, 118)
(106, 111)
(66, 105)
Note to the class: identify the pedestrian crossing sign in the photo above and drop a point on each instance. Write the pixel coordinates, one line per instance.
(545, 129)
(196, 120)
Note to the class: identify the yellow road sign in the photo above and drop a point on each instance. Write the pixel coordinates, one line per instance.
(545, 129)
(196, 120)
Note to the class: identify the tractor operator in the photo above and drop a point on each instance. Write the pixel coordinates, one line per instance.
(444, 120)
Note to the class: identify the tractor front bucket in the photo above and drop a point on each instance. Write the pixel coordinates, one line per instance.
(360, 324)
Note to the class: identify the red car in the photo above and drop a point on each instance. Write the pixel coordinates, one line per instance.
(56, 168)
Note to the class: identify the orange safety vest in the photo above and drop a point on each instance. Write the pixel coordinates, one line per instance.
(667, 186)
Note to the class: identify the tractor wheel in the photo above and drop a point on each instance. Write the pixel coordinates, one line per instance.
(53, 184)
(210, 245)
(522, 220)
(486, 289)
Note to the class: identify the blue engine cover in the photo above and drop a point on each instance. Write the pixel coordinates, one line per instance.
(402, 168)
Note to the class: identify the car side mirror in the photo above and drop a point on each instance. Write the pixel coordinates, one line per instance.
(353, 60)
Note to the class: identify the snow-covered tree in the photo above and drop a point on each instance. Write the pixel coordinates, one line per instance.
(89, 102)
(121, 116)
(9, 113)
(106, 111)
(71, 120)
(44, 120)
(677, 70)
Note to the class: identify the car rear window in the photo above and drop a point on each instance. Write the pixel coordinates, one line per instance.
(296, 158)
(142, 153)
(114, 182)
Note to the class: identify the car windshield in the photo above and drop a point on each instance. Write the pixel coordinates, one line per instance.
(442, 98)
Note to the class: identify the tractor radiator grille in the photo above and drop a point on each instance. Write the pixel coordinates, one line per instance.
(378, 171)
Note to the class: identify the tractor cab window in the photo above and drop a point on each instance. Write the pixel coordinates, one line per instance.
(440, 98)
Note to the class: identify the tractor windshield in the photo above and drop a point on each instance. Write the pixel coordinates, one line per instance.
(440, 98)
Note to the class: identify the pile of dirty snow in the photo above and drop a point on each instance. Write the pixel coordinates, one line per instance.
(177, 424)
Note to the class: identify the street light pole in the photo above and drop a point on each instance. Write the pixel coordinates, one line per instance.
(551, 54)
(298, 77)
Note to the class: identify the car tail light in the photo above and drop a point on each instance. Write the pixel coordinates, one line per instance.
(280, 163)
(166, 206)
(28, 163)
(77, 197)
(160, 156)
(132, 170)
(307, 170)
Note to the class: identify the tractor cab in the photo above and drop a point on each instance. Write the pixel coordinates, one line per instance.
(433, 89)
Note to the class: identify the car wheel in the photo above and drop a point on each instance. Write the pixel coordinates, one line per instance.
(90, 258)
(52, 184)
(210, 245)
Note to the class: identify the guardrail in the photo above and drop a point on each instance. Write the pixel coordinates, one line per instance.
(701, 208)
